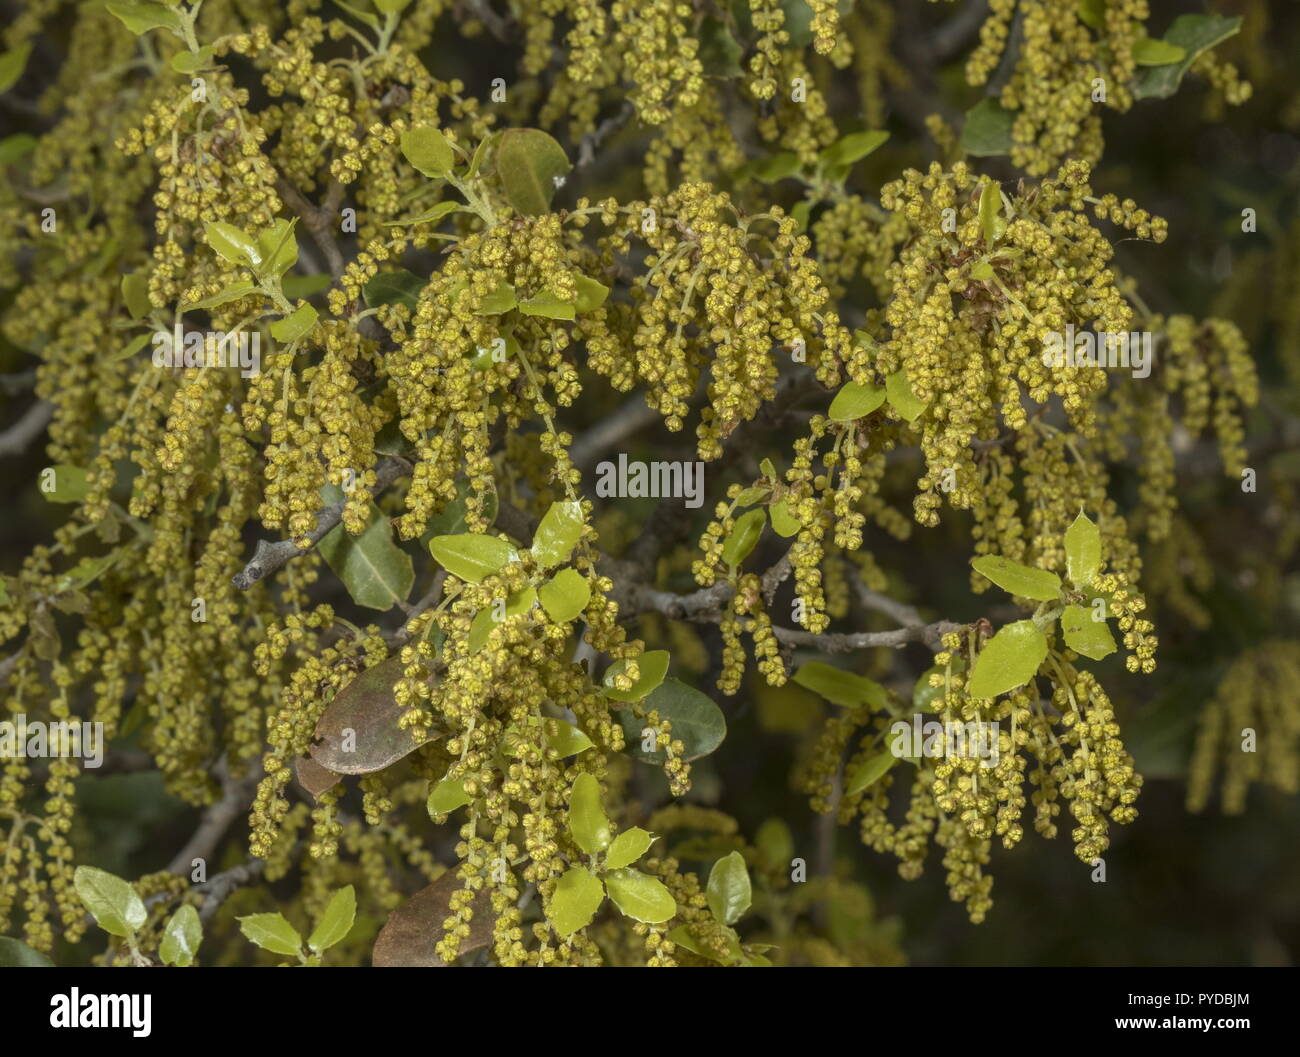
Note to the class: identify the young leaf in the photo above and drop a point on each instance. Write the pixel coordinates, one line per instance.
(744, 536)
(558, 533)
(773, 168)
(587, 822)
(1092, 638)
(487, 618)
(923, 694)
(992, 223)
(297, 287)
(548, 305)
(500, 300)
(855, 401)
(1150, 52)
(981, 270)
(1008, 660)
(189, 62)
(181, 937)
(295, 325)
(852, 148)
(427, 149)
(640, 896)
(591, 294)
(272, 933)
(135, 294)
(840, 687)
(12, 148)
(447, 796)
(141, 17)
(530, 164)
(376, 571)
(901, 398)
(130, 348)
(729, 893)
(652, 666)
(627, 847)
(433, 213)
(696, 721)
(471, 555)
(278, 247)
(567, 740)
(239, 288)
(1019, 580)
(988, 129)
(565, 596)
(578, 895)
(868, 772)
(233, 244)
(336, 922)
(784, 523)
(114, 904)
(1082, 551)
(12, 64)
(1092, 13)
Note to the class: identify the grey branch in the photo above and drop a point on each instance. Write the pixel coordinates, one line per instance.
(217, 818)
(15, 440)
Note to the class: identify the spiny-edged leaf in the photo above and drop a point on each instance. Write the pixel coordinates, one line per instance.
(12, 148)
(500, 300)
(565, 596)
(697, 722)
(490, 616)
(376, 571)
(278, 246)
(784, 523)
(855, 401)
(68, 484)
(627, 847)
(1194, 34)
(588, 823)
(233, 244)
(446, 796)
(232, 292)
(923, 694)
(640, 896)
(840, 687)
(851, 148)
(112, 902)
(130, 348)
(429, 216)
(558, 533)
(428, 150)
(181, 937)
(1082, 551)
(12, 64)
(410, 936)
(14, 954)
(577, 896)
(729, 892)
(987, 130)
(142, 17)
(471, 555)
(336, 922)
(901, 398)
(565, 738)
(295, 325)
(400, 287)
(992, 222)
(359, 731)
(135, 294)
(1092, 638)
(548, 305)
(271, 932)
(868, 772)
(1019, 580)
(744, 536)
(1008, 660)
(652, 666)
(1150, 52)
(529, 162)
(591, 294)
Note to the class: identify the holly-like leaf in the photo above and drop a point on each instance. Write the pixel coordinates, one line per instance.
(1091, 638)
(697, 722)
(744, 536)
(428, 150)
(578, 895)
(376, 571)
(114, 904)
(855, 401)
(471, 555)
(1019, 580)
(271, 932)
(530, 164)
(565, 596)
(588, 823)
(181, 937)
(868, 772)
(987, 130)
(1008, 660)
(840, 687)
(652, 666)
(729, 892)
(627, 847)
(1082, 551)
(640, 896)
(336, 922)
(558, 533)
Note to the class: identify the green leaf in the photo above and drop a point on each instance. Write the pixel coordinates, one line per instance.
(364, 16)
(567, 740)
(729, 892)
(1082, 551)
(181, 937)
(577, 897)
(855, 401)
(447, 796)
(471, 555)
(233, 292)
(565, 596)
(982, 270)
(1019, 580)
(652, 665)
(12, 64)
(1150, 52)
(868, 772)
(529, 162)
(558, 533)
(14, 954)
(336, 922)
(750, 496)
(1092, 13)
(400, 287)
(588, 824)
(640, 896)
(1008, 660)
(486, 619)
(296, 287)
(69, 484)
(295, 325)
(720, 53)
(548, 305)
(232, 244)
(430, 215)
(992, 223)
(840, 687)
(192, 61)
(1194, 34)
(130, 348)
(784, 523)
(923, 694)
(774, 167)
(744, 536)
(114, 904)
(12, 148)
(376, 571)
(591, 294)
(1092, 638)
(852, 148)
(697, 722)
(901, 398)
(271, 932)
(391, 7)
(142, 17)
(627, 847)
(428, 150)
(278, 247)
(135, 294)
(500, 300)
(987, 130)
